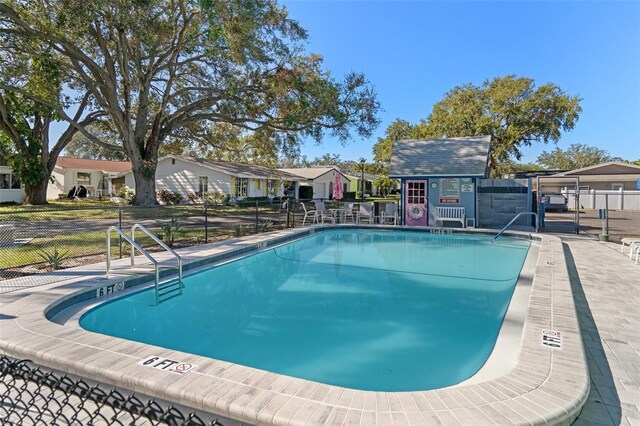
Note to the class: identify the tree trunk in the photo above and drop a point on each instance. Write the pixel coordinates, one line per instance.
(145, 186)
(36, 195)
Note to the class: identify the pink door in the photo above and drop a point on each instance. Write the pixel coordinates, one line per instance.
(415, 203)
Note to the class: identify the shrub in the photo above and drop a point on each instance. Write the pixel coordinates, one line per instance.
(53, 259)
(128, 194)
(170, 197)
(194, 197)
(349, 195)
(265, 226)
(240, 230)
(216, 197)
(169, 231)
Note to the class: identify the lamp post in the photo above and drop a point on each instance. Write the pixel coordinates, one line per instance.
(362, 162)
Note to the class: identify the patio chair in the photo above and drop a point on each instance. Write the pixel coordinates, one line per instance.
(350, 211)
(631, 242)
(309, 213)
(389, 214)
(322, 212)
(365, 211)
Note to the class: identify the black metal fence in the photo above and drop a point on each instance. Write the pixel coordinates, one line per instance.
(43, 239)
(30, 395)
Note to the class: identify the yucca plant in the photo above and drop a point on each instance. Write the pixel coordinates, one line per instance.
(265, 226)
(240, 230)
(169, 231)
(53, 259)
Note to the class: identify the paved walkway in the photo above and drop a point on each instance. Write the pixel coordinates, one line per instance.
(606, 287)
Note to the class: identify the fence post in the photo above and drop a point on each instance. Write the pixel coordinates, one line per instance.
(206, 222)
(256, 217)
(120, 227)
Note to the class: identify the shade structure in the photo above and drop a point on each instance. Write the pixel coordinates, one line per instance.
(337, 188)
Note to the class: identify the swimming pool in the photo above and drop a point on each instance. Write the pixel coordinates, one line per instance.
(363, 309)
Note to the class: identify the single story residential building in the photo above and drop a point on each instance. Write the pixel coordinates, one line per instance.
(10, 185)
(198, 175)
(439, 173)
(95, 175)
(318, 182)
(614, 185)
(611, 176)
(356, 183)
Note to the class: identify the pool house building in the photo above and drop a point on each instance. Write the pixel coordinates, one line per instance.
(439, 179)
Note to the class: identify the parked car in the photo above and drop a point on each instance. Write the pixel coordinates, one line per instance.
(554, 202)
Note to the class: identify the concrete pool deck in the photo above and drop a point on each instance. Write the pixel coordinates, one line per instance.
(548, 385)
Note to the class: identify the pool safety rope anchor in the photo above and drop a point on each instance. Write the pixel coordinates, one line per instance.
(416, 211)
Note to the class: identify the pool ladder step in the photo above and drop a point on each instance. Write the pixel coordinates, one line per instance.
(170, 287)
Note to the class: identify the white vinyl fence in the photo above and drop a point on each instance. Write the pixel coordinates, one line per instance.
(597, 199)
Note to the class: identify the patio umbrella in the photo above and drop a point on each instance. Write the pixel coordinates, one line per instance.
(337, 188)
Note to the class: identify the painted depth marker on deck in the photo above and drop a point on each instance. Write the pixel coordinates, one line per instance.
(552, 339)
(167, 364)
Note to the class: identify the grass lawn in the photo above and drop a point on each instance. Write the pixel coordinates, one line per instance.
(88, 243)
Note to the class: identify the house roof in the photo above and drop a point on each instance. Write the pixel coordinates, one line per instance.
(466, 156)
(614, 168)
(311, 173)
(88, 164)
(240, 169)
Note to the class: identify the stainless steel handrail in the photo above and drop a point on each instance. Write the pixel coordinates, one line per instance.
(516, 218)
(133, 245)
(162, 244)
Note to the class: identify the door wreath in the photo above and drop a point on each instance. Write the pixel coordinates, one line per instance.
(416, 211)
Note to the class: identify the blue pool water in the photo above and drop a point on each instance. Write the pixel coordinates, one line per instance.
(363, 309)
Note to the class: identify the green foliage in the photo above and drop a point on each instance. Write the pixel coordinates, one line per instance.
(509, 167)
(170, 197)
(53, 259)
(576, 156)
(166, 71)
(265, 226)
(241, 230)
(384, 184)
(511, 109)
(397, 130)
(170, 231)
(128, 194)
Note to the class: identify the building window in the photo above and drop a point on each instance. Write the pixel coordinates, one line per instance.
(15, 182)
(271, 186)
(242, 184)
(617, 186)
(9, 181)
(83, 178)
(203, 184)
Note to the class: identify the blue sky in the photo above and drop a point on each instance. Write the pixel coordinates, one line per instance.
(414, 52)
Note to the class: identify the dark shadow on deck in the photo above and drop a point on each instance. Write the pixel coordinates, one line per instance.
(600, 374)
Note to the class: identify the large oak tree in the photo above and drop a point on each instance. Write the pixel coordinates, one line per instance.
(513, 110)
(169, 69)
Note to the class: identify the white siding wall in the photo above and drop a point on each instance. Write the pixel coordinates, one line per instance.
(184, 177)
(57, 186)
(321, 185)
(10, 195)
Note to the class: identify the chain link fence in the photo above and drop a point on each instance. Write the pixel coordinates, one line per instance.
(33, 396)
(49, 238)
(615, 215)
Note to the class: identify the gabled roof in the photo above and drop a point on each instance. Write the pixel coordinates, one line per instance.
(311, 173)
(239, 169)
(231, 168)
(615, 167)
(88, 164)
(466, 156)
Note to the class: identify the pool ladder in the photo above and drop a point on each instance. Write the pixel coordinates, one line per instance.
(164, 290)
(516, 218)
